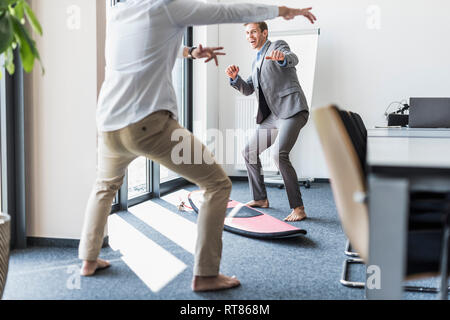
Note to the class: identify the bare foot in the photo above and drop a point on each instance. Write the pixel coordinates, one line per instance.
(219, 282)
(297, 214)
(89, 267)
(258, 203)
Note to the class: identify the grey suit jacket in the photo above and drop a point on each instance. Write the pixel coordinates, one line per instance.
(280, 85)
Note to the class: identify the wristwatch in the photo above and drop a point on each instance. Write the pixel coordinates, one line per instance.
(190, 56)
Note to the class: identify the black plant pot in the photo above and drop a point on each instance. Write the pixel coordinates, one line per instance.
(5, 237)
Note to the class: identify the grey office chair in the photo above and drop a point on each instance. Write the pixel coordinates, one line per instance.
(427, 249)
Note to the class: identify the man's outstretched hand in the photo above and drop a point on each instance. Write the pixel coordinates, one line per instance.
(208, 52)
(290, 13)
(276, 55)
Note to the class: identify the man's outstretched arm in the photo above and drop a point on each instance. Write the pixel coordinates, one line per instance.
(283, 55)
(200, 52)
(190, 12)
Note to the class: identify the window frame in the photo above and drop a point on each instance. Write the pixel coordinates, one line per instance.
(13, 151)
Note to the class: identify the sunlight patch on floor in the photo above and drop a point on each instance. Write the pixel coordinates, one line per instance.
(154, 265)
(171, 225)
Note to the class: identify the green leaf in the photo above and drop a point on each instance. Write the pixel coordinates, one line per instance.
(26, 45)
(19, 10)
(32, 18)
(13, 34)
(6, 32)
(9, 61)
(4, 4)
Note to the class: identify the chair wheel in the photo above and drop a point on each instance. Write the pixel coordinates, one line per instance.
(307, 184)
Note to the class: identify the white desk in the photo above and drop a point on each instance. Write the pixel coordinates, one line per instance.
(409, 152)
(409, 133)
(397, 165)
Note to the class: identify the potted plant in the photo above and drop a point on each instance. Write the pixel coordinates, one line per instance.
(14, 35)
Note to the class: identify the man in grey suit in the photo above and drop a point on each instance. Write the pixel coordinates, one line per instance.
(282, 113)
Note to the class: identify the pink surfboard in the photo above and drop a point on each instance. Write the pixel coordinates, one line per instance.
(250, 222)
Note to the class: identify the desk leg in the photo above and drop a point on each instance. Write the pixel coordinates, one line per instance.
(388, 216)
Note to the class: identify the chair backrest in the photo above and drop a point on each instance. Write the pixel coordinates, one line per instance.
(360, 123)
(356, 137)
(362, 130)
(346, 176)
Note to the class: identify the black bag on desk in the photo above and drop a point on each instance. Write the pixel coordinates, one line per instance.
(400, 120)
(429, 113)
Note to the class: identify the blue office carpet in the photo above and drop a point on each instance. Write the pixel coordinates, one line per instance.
(304, 268)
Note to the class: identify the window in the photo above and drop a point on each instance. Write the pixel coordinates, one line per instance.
(138, 182)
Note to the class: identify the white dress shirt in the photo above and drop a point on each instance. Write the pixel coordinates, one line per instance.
(143, 40)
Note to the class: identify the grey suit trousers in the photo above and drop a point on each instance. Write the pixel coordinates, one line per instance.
(282, 134)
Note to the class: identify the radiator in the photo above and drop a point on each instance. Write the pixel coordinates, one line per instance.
(244, 119)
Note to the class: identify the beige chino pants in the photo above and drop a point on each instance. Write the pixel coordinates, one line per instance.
(151, 137)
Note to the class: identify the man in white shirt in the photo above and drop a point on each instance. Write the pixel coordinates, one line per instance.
(137, 113)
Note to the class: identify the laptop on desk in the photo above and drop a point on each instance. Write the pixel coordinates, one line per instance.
(429, 113)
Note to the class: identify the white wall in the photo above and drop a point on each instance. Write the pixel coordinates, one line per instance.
(358, 67)
(61, 106)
